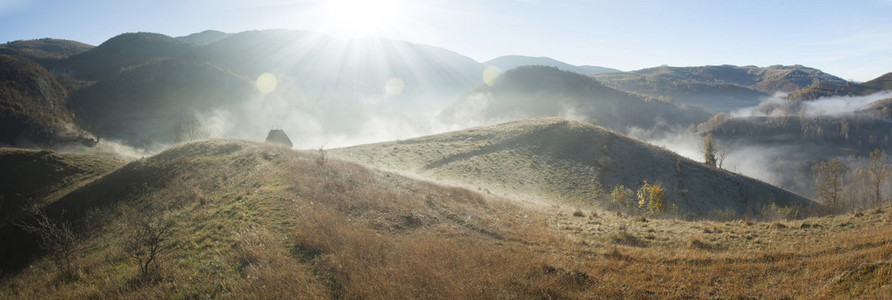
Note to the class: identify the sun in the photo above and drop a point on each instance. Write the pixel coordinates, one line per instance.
(363, 18)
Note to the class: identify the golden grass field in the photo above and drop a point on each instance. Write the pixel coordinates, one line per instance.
(259, 221)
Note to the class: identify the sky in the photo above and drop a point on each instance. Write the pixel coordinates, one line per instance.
(850, 39)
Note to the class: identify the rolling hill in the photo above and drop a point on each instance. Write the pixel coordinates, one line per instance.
(570, 162)
(33, 107)
(819, 90)
(509, 62)
(248, 219)
(719, 88)
(142, 104)
(44, 49)
(539, 91)
(125, 50)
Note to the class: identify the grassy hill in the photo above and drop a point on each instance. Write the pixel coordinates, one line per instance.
(44, 176)
(570, 162)
(252, 220)
(540, 91)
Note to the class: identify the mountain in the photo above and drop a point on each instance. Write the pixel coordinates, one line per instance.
(205, 37)
(819, 90)
(125, 50)
(323, 65)
(142, 105)
(539, 91)
(508, 62)
(33, 108)
(44, 48)
(570, 162)
(719, 88)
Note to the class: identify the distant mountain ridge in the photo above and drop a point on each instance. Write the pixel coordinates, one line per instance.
(719, 88)
(818, 90)
(540, 91)
(508, 62)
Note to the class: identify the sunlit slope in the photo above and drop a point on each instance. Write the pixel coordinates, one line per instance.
(571, 162)
(254, 219)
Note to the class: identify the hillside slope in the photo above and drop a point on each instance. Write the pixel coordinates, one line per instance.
(571, 162)
(540, 91)
(819, 90)
(251, 220)
(33, 105)
(36, 177)
(254, 219)
(719, 88)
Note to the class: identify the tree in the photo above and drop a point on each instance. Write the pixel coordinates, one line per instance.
(191, 129)
(878, 165)
(709, 151)
(58, 239)
(652, 199)
(147, 239)
(828, 176)
(623, 198)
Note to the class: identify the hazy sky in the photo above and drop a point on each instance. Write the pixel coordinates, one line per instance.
(850, 39)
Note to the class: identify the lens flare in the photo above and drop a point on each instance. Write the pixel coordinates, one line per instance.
(490, 74)
(266, 83)
(394, 86)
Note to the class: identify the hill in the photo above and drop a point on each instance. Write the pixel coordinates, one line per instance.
(119, 52)
(33, 105)
(570, 162)
(205, 37)
(254, 219)
(539, 91)
(322, 65)
(720, 88)
(509, 62)
(250, 220)
(819, 90)
(43, 49)
(142, 104)
(788, 146)
(44, 176)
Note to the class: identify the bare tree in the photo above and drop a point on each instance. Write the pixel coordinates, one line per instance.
(878, 165)
(147, 239)
(57, 239)
(828, 177)
(190, 129)
(721, 153)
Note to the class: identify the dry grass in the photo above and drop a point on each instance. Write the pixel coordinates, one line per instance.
(259, 221)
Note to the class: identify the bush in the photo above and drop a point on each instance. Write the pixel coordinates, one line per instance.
(622, 198)
(652, 199)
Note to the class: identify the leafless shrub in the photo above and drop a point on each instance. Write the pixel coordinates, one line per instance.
(58, 239)
(147, 238)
